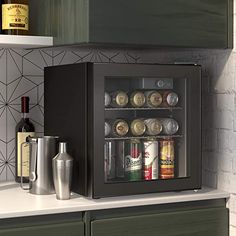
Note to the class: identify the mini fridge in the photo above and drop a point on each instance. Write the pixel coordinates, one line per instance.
(131, 128)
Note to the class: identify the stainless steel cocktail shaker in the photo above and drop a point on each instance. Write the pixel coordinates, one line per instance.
(62, 172)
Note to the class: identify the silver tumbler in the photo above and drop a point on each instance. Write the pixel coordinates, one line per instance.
(62, 165)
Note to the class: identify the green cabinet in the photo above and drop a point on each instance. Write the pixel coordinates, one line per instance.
(195, 219)
(71, 229)
(208, 222)
(170, 23)
(200, 218)
(59, 225)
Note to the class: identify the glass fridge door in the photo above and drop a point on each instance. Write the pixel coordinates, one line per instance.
(145, 129)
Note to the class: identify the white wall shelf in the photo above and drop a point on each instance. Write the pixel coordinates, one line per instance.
(20, 41)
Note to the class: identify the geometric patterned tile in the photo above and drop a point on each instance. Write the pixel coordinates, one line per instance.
(64, 57)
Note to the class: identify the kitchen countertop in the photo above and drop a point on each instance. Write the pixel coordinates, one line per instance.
(15, 202)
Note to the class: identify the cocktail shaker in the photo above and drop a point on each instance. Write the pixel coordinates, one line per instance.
(62, 165)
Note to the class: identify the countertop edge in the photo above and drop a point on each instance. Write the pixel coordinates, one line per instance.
(46, 205)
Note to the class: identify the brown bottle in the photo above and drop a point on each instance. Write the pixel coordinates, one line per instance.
(15, 17)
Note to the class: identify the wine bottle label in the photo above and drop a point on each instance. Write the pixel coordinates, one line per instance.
(15, 16)
(21, 138)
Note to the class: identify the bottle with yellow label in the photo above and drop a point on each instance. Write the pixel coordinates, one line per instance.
(15, 17)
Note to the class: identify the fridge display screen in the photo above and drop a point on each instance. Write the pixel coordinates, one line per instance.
(145, 129)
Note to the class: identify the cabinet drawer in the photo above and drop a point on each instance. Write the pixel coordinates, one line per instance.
(204, 222)
(64, 229)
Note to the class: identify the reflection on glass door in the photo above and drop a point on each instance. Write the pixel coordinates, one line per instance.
(145, 129)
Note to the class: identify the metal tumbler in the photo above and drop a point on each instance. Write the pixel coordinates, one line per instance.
(62, 172)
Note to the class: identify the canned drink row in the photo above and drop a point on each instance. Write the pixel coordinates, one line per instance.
(138, 99)
(133, 160)
(140, 127)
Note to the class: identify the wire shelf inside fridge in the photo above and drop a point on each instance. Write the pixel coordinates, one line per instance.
(145, 137)
(141, 108)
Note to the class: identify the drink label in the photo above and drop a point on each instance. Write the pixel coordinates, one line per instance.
(15, 16)
(167, 163)
(21, 138)
(150, 160)
(133, 163)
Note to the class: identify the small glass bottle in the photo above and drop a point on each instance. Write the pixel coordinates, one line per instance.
(15, 17)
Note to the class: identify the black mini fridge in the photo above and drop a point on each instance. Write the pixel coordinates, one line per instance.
(131, 128)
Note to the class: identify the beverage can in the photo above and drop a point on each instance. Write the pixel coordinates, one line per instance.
(137, 99)
(167, 165)
(133, 160)
(170, 98)
(120, 128)
(169, 126)
(109, 161)
(153, 126)
(153, 98)
(107, 99)
(119, 99)
(150, 159)
(137, 127)
(107, 128)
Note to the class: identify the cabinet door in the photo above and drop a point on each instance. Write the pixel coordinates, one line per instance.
(178, 23)
(64, 229)
(204, 222)
(181, 23)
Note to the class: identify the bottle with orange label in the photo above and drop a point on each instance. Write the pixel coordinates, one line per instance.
(15, 17)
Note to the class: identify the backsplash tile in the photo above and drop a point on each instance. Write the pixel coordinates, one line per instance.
(21, 75)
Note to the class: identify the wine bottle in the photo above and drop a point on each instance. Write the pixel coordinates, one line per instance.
(23, 129)
(15, 17)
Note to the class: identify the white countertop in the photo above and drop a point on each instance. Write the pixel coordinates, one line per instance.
(15, 202)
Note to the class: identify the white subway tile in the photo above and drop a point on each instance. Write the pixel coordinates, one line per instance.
(224, 181)
(232, 219)
(226, 140)
(209, 141)
(212, 162)
(223, 119)
(232, 203)
(232, 184)
(225, 102)
(225, 162)
(208, 103)
(232, 231)
(209, 179)
(223, 72)
(234, 164)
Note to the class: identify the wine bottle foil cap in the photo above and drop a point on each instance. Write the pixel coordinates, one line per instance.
(25, 104)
